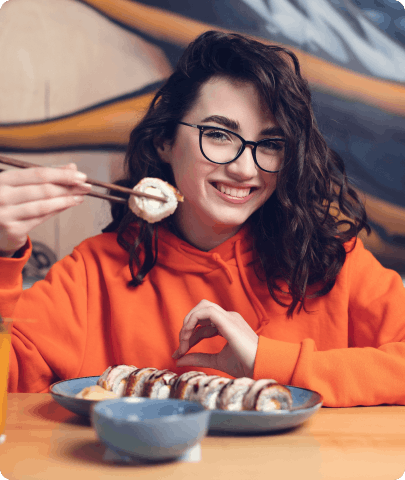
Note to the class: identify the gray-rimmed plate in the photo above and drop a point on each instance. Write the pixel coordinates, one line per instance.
(305, 404)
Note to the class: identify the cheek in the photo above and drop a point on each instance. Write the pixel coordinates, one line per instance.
(271, 185)
(184, 159)
(191, 170)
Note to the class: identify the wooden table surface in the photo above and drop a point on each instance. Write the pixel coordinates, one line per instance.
(46, 442)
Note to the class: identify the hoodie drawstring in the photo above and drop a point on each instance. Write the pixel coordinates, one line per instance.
(217, 258)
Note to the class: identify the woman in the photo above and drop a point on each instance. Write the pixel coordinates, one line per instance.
(254, 269)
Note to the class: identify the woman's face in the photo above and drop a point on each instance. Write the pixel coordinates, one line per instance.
(207, 217)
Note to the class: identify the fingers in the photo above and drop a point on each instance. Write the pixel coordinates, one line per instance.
(204, 314)
(225, 361)
(65, 175)
(29, 197)
(199, 333)
(207, 320)
(34, 186)
(13, 234)
(40, 208)
(12, 195)
(202, 332)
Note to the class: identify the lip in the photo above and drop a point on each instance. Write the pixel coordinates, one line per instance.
(228, 199)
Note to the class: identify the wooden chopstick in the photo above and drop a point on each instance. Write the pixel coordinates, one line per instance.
(22, 164)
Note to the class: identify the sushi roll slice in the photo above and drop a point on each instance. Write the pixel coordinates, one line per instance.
(159, 384)
(114, 379)
(231, 395)
(183, 384)
(153, 210)
(207, 390)
(267, 395)
(135, 382)
(102, 381)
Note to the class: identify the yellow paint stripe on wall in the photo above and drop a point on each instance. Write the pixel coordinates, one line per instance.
(387, 215)
(390, 216)
(383, 250)
(108, 124)
(322, 75)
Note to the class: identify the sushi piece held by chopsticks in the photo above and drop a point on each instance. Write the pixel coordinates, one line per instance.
(154, 210)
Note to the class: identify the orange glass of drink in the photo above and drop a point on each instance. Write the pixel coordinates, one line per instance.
(5, 342)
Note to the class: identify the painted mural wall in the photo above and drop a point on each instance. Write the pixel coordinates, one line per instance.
(76, 76)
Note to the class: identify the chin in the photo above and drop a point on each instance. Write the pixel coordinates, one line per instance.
(229, 222)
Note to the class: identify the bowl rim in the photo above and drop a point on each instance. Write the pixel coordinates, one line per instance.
(96, 409)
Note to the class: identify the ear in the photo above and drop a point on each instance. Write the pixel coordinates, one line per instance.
(163, 149)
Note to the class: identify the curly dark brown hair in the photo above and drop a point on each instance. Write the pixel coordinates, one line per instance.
(298, 237)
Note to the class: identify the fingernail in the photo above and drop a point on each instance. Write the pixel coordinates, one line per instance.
(78, 199)
(176, 354)
(80, 176)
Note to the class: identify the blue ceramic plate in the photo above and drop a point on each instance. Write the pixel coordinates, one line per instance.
(64, 393)
(305, 404)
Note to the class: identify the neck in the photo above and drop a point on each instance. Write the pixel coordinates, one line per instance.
(203, 240)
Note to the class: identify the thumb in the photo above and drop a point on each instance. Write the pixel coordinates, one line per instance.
(206, 360)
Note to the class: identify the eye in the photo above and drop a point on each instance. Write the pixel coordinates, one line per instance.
(218, 136)
(273, 145)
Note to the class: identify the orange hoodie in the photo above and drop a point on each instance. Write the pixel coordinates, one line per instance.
(350, 347)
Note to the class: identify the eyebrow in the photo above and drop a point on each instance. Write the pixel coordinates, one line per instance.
(234, 125)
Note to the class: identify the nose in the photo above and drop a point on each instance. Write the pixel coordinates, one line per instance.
(244, 166)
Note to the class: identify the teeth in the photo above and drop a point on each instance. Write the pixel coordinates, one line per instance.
(233, 192)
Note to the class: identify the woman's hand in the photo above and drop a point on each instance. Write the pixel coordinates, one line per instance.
(207, 320)
(29, 197)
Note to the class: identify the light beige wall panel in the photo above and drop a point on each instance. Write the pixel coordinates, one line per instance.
(59, 56)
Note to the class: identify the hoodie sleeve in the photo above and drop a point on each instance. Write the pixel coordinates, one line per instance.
(371, 370)
(50, 322)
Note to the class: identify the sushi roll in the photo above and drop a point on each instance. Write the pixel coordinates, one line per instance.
(267, 395)
(153, 210)
(231, 395)
(159, 384)
(213, 391)
(114, 379)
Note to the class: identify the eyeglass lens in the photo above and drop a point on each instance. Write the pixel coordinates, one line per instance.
(223, 147)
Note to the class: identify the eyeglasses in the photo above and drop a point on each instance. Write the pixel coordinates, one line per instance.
(219, 145)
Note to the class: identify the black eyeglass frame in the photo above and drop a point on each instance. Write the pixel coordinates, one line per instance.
(244, 143)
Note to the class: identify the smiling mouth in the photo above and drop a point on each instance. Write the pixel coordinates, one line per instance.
(232, 191)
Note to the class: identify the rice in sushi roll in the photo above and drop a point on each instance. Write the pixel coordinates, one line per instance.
(153, 210)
